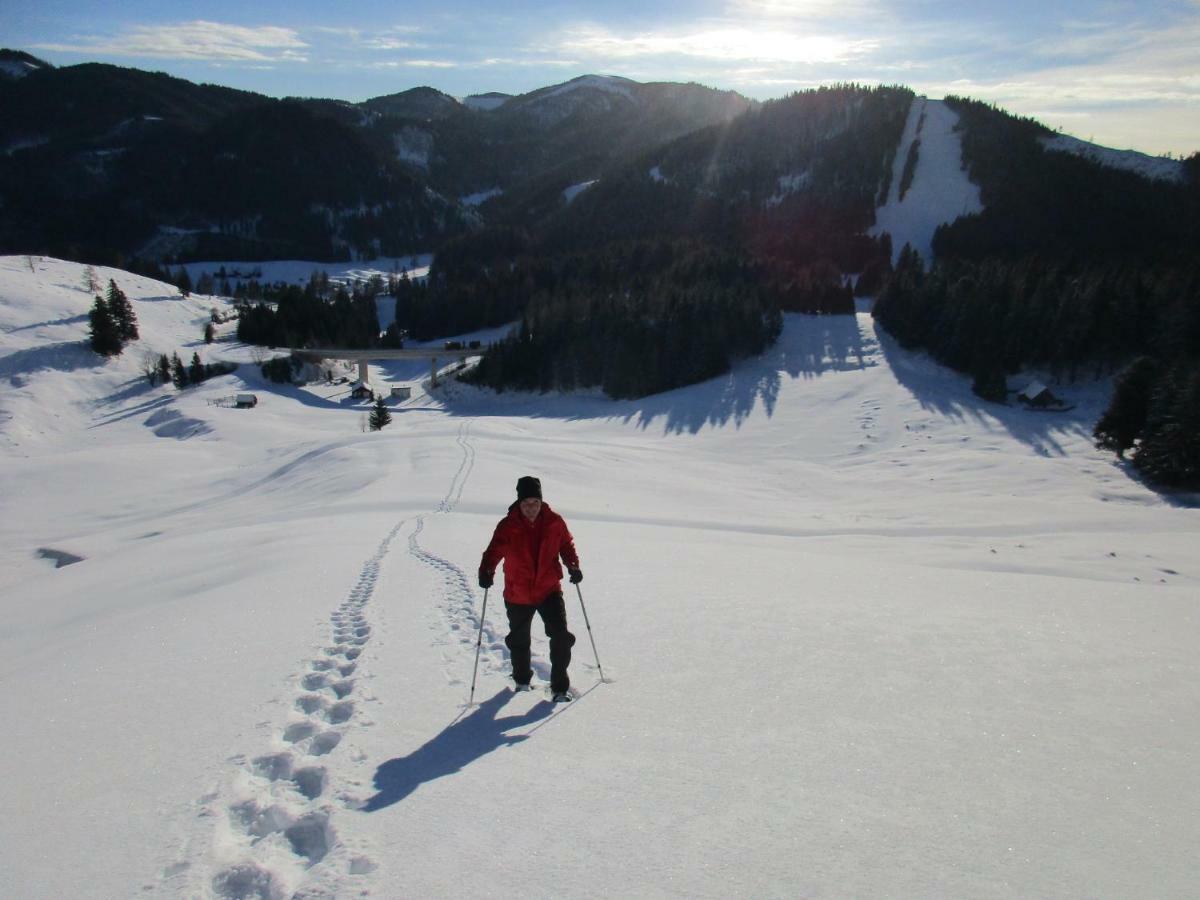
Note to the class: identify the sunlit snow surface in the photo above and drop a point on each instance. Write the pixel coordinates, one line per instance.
(867, 635)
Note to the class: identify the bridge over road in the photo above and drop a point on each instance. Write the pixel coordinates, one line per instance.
(379, 354)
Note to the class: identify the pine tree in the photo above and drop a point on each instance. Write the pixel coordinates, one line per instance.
(122, 312)
(183, 281)
(179, 375)
(1169, 452)
(1125, 419)
(380, 415)
(105, 333)
(164, 369)
(209, 333)
(196, 370)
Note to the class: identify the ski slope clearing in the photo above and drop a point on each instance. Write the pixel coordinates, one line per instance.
(867, 636)
(941, 190)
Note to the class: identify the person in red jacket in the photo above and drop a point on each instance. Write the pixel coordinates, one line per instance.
(531, 540)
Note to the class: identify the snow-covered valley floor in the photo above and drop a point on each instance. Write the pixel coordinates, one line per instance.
(867, 636)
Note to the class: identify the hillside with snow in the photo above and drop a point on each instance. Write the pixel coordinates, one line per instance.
(1153, 167)
(864, 634)
(940, 189)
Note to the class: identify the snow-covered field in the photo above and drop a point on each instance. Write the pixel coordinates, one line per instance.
(867, 636)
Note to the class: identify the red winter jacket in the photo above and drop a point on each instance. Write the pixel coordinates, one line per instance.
(531, 551)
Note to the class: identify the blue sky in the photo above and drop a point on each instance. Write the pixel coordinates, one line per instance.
(1123, 74)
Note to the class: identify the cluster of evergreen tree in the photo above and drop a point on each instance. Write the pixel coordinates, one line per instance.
(492, 282)
(1155, 410)
(112, 321)
(316, 315)
(635, 320)
(173, 371)
(1039, 310)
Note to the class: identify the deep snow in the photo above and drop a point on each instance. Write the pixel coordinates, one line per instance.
(868, 635)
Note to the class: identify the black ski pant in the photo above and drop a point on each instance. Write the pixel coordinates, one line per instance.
(554, 617)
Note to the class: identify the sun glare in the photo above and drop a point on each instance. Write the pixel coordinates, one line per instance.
(729, 44)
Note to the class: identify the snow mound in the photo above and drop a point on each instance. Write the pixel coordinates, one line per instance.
(171, 423)
(940, 191)
(480, 197)
(575, 190)
(1156, 168)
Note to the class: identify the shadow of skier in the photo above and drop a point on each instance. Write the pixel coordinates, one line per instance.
(463, 741)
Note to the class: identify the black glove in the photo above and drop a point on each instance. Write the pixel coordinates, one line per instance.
(576, 575)
(485, 579)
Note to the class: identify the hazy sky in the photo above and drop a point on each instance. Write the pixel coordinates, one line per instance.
(1123, 74)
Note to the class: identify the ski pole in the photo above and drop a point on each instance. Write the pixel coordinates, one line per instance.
(478, 645)
(589, 628)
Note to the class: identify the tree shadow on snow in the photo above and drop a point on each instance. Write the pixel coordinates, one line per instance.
(948, 393)
(809, 347)
(466, 739)
(66, 356)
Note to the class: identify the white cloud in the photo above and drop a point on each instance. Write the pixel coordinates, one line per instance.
(385, 43)
(513, 61)
(195, 40)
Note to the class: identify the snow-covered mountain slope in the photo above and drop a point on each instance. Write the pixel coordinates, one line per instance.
(486, 102)
(1154, 167)
(941, 190)
(866, 635)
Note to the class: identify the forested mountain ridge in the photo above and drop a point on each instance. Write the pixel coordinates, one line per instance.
(102, 162)
(88, 149)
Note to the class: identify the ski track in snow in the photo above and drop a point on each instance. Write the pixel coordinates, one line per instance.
(275, 835)
(460, 616)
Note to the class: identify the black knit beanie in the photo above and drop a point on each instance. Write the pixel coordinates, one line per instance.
(528, 486)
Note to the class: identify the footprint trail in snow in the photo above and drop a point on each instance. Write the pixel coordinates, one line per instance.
(276, 832)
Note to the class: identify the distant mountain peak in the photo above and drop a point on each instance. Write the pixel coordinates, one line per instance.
(415, 103)
(16, 64)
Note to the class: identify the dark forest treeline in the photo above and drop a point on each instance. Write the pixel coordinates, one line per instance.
(1075, 318)
(639, 319)
(492, 278)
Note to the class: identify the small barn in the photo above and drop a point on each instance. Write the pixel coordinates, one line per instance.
(245, 401)
(1037, 395)
(362, 391)
(401, 392)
